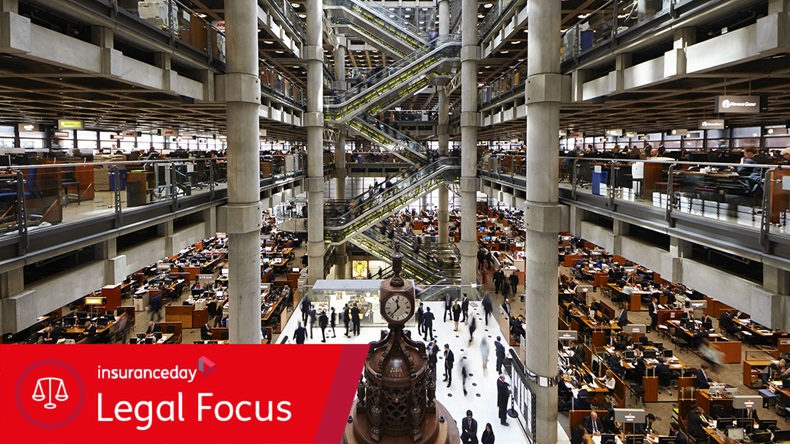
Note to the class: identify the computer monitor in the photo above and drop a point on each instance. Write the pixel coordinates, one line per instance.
(635, 439)
(149, 340)
(667, 353)
(735, 433)
(608, 438)
(629, 355)
(102, 321)
(68, 321)
(629, 415)
(649, 354)
(568, 335)
(141, 336)
(743, 402)
(747, 424)
(667, 440)
(659, 346)
(781, 435)
(725, 423)
(158, 335)
(690, 325)
(133, 340)
(762, 436)
(766, 424)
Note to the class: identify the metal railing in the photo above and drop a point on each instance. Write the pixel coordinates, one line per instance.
(390, 138)
(385, 19)
(600, 26)
(290, 17)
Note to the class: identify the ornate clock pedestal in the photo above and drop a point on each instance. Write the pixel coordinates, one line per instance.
(396, 400)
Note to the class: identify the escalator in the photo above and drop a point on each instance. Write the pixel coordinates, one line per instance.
(346, 26)
(395, 82)
(378, 20)
(391, 139)
(343, 219)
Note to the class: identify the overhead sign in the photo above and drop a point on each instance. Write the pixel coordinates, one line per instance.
(630, 134)
(116, 136)
(712, 124)
(70, 124)
(614, 132)
(776, 131)
(131, 134)
(62, 134)
(678, 132)
(576, 135)
(168, 132)
(28, 127)
(738, 104)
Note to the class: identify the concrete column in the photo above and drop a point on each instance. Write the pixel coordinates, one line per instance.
(314, 122)
(209, 216)
(621, 63)
(542, 212)
(675, 59)
(679, 250)
(619, 229)
(106, 249)
(9, 6)
(469, 123)
(12, 283)
(341, 260)
(243, 97)
(776, 280)
(340, 64)
(102, 36)
(444, 17)
(774, 6)
(163, 60)
(578, 77)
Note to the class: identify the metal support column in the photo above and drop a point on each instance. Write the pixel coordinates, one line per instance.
(243, 96)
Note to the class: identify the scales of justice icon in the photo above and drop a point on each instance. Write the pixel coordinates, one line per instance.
(40, 393)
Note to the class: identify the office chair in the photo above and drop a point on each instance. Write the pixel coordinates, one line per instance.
(68, 179)
(224, 336)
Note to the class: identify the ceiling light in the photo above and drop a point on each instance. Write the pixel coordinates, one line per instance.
(583, 16)
(480, 16)
(422, 22)
(268, 42)
(279, 52)
(407, 15)
(424, 9)
(408, 9)
(488, 5)
(504, 52)
(295, 5)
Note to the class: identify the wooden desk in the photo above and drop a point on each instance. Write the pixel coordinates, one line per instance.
(731, 350)
(180, 313)
(752, 368)
(758, 333)
(703, 399)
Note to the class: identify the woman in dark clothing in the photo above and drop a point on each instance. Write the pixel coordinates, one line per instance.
(488, 435)
(456, 314)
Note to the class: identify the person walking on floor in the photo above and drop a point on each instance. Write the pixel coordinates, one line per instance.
(323, 323)
(464, 374)
(513, 283)
(469, 429)
(484, 350)
(502, 396)
(472, 328)
(448, 306)
(465, 307)
(427, 323)
(156, 307)
(346, 317)
(499, 279)
(305, 308)
(300, 335)
(313, 318)
(433, 356)
(333, 321)
(420, 312)
(355, 319)
(488, 435)
(449, 359)
(488, 307)
(500, 353)
(456, 314)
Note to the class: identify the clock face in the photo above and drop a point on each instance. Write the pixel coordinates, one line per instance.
(397, 308)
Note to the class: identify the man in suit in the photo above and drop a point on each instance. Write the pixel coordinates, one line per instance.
(323, 323)
(420, 312)
(469, 429)
(448, 306)
(427, 323)
(695, 424)
(622, 318)
(300, 335)
(205, 332)
(680, 437)
(465, 307)
(488, 307)
(502, 396)
(433, 355)
(702, 381)
(513, 278)
(653, 309)
(51, 335)
(305, 308)
(449, 361)
(500, 353)
(592, 425)
(355, 319)
(726, 322)
(645, 427)
(506, 307)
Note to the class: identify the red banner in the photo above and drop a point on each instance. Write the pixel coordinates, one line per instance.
(177, 394)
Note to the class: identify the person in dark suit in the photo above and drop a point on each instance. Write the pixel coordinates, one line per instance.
(51, 335)
(448, 306)
(506, 307)
(488, 435)
(592, 425)
(680, 437)
(449, 361)
(622, 318)
(502, 396)
(153, 328)
(456, 314)
(433, 355)
(488, 307)
(333, 321)
(577, 434)
(300, 335)
(312, 319)
(469, 429)
(427, 323)
(702, 381)
(305, 308)
(707, 322)
(420, 312)
(500, 353)
(323, 323)
(645, 427)
(355, 319)
(346, 317)
(695, 423)
(465, 307)
(513, 278)
(653, 311)
(205, 332)
(726, 322)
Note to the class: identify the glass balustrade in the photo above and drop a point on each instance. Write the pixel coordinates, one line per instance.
(35, 197)
(752, 196)
(384, 20)
(369, 34)
(379, 132)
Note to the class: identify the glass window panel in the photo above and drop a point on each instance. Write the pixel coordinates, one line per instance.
(7, 131)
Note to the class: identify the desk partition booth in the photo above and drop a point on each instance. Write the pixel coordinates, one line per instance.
(629, 417)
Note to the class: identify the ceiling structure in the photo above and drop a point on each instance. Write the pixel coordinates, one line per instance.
(35, 91)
